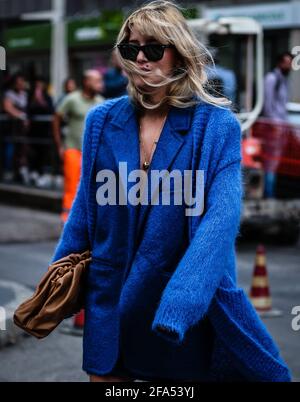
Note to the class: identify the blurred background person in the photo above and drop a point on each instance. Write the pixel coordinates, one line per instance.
(69, 86)
(40, 104)
(276, 89)
(115, 80)
(73, 109)
(221, 79)
(276, 96)
(15, 102)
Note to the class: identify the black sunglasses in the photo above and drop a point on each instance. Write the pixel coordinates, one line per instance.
(153, 51)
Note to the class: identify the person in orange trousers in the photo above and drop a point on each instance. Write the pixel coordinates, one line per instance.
(72, 169)
(73, 109)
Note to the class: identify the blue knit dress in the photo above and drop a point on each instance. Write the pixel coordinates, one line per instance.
(162, 360)
(202, 283)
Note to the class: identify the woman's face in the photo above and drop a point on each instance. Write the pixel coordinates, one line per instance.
(40, 85)
(70, 86)
(165, 65)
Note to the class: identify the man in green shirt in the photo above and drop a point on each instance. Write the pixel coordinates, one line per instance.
(73, 109)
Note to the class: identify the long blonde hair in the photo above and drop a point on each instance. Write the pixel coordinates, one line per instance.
(164, 21)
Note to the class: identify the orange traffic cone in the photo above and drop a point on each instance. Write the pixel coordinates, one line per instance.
(76, 326)
(260, 290)
(79, 319)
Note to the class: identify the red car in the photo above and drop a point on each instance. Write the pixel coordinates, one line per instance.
(273, 146)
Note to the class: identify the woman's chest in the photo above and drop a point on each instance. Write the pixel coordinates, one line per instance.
(154, 220)
(123, 151)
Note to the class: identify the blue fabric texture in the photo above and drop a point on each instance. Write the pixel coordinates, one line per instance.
(202, 284)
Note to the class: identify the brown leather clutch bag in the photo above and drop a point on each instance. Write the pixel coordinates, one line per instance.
(60, 294)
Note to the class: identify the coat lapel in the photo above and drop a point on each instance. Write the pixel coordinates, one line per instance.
(125, 137)
(126, 148)
(170, 142)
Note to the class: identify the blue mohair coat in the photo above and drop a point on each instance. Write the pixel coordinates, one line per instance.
(203, 284)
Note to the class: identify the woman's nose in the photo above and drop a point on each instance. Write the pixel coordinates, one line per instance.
(141, 56)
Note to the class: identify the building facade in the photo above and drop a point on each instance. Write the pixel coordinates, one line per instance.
(92, 26)
(281, 23)
(91, 29)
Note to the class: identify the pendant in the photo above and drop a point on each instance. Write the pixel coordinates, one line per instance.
(146, 165)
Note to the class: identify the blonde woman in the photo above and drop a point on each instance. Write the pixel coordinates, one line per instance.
(161, 299)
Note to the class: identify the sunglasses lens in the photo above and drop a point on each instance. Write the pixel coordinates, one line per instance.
(128, 52)
(154, 52)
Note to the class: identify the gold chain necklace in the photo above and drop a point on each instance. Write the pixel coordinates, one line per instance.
(146, 163)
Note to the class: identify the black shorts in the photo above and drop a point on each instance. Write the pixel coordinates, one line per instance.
(119, 370)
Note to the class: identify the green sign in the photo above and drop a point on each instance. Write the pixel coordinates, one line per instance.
(93, 31)
(33, 37)
(80, 32)
(191, 13)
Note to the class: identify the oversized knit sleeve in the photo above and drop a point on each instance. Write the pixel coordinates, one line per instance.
(189, 292)
(74, 237)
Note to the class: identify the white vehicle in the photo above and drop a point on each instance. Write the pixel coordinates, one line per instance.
(279, 215)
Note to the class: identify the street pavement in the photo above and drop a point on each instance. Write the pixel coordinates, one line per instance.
(58, 357)
(27, 225)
